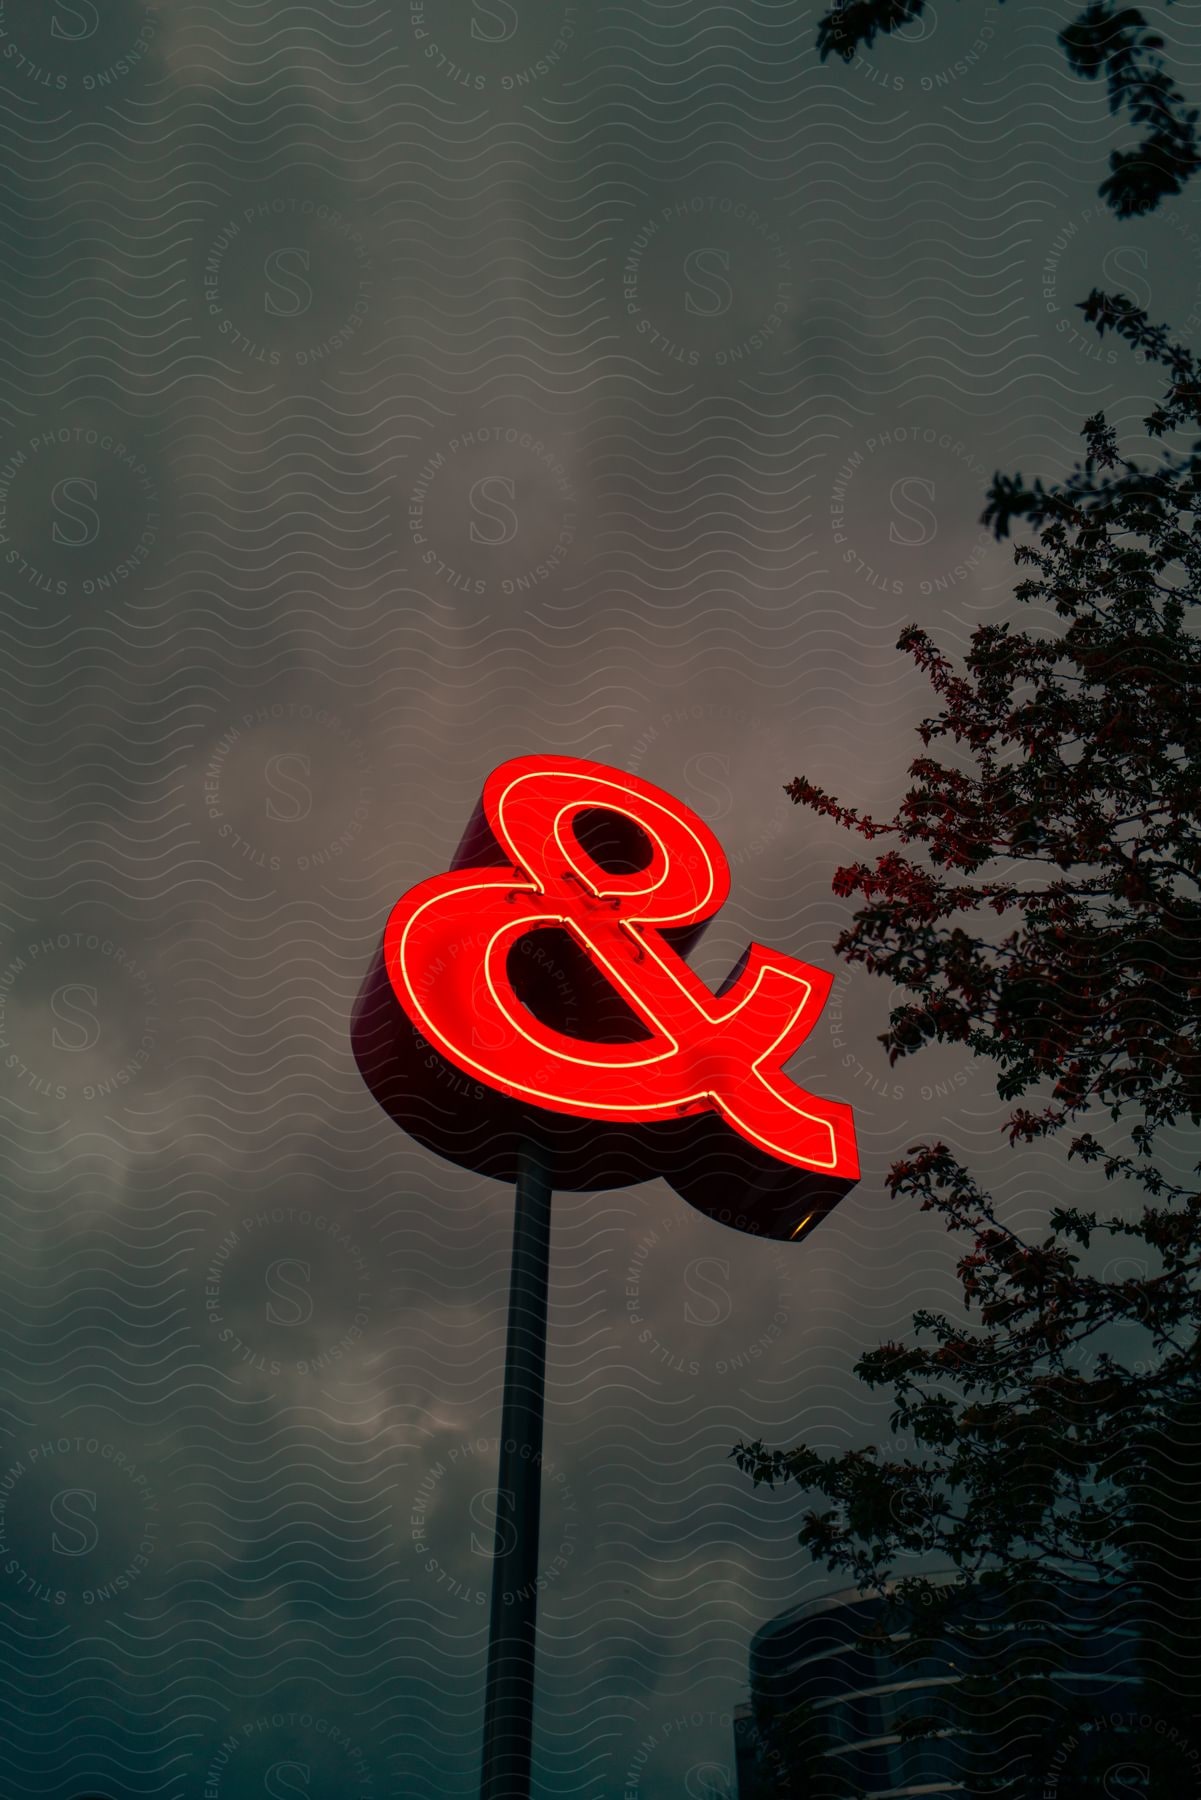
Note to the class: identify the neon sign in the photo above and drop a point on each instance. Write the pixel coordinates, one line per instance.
(540, 986)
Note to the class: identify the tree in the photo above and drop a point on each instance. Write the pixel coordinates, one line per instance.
(1108, 39)
(1040, 902)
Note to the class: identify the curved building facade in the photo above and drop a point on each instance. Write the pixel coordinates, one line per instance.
(833, 1682)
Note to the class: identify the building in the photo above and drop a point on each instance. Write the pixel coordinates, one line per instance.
(832, 1681)
(756, 1767)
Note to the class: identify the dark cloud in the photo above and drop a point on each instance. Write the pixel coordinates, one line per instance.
(397, 389)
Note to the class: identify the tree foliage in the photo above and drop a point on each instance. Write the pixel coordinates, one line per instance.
(1107, 40)
(1039, 899)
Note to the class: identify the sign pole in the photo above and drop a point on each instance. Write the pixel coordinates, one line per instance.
(509, 1690)
(563, 848)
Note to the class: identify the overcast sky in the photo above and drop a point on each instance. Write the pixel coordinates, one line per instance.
(396, 386)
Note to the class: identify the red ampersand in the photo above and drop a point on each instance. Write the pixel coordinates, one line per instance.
(546, 972)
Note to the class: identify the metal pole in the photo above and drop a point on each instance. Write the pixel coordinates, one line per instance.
(509, 1690)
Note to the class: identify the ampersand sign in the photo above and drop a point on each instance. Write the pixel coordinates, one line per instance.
(540, 988)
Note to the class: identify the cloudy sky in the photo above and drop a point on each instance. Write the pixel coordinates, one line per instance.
(395, 386)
